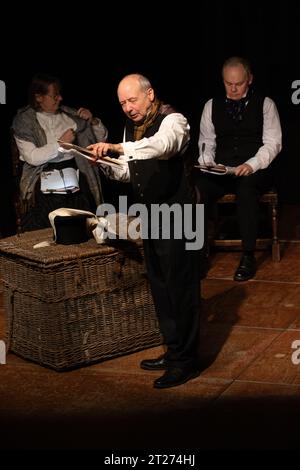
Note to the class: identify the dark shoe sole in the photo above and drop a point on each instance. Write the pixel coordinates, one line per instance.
(181, 382)
(162, 367)
(243, 279)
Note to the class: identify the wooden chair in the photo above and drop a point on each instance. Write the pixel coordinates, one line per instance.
(17, 166)
(270, 198)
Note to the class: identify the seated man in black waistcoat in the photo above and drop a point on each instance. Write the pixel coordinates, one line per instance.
(154, 143)
(241, 130)
(52, 177)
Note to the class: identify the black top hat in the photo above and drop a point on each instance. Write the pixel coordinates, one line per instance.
(71, 229)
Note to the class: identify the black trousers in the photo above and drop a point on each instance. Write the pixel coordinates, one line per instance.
(174, 276)
(247, 189)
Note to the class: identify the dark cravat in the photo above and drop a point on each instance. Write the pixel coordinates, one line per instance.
(235, 108)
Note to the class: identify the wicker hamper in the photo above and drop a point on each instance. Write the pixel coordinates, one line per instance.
(71, 305)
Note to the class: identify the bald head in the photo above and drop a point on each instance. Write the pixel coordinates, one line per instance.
(237, 77)
(135, 78)
(135, 96)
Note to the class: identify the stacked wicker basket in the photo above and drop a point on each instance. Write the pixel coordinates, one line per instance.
(69, 306)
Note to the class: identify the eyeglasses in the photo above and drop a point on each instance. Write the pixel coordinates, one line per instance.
(54, 97)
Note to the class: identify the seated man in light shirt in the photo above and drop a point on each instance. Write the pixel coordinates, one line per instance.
(240, 130)
(37, 128)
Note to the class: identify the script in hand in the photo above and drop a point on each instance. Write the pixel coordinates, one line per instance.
(217, 169)
(89, 155)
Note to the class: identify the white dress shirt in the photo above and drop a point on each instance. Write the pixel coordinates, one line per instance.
(271, 137)
(171, 138)
(54, 126)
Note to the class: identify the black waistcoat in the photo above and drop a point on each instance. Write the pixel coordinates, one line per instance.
(237, 141)
(157, 181)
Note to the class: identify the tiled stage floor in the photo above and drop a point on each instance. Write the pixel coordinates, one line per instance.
(247, 397)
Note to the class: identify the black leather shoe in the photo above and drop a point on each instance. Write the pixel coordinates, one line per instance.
(246, 269)
(175, 376)
(154, 364)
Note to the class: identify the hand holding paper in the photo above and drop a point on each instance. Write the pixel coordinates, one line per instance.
(217, 169)
(104, 149)
(86, 153)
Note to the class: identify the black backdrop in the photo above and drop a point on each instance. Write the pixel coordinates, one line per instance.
(181, 51)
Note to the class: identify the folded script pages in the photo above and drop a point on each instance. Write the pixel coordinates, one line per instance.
(60, 181)
(217, 169)
(89, 155)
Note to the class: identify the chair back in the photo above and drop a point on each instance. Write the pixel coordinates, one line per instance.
(17, 167)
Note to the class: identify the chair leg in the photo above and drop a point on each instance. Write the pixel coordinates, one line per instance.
(17, 205)
(276, 252)
(275, 241)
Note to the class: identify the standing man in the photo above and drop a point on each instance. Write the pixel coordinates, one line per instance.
(154, 142)
(241, 129)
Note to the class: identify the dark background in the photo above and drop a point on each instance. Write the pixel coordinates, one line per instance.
(181, 51)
